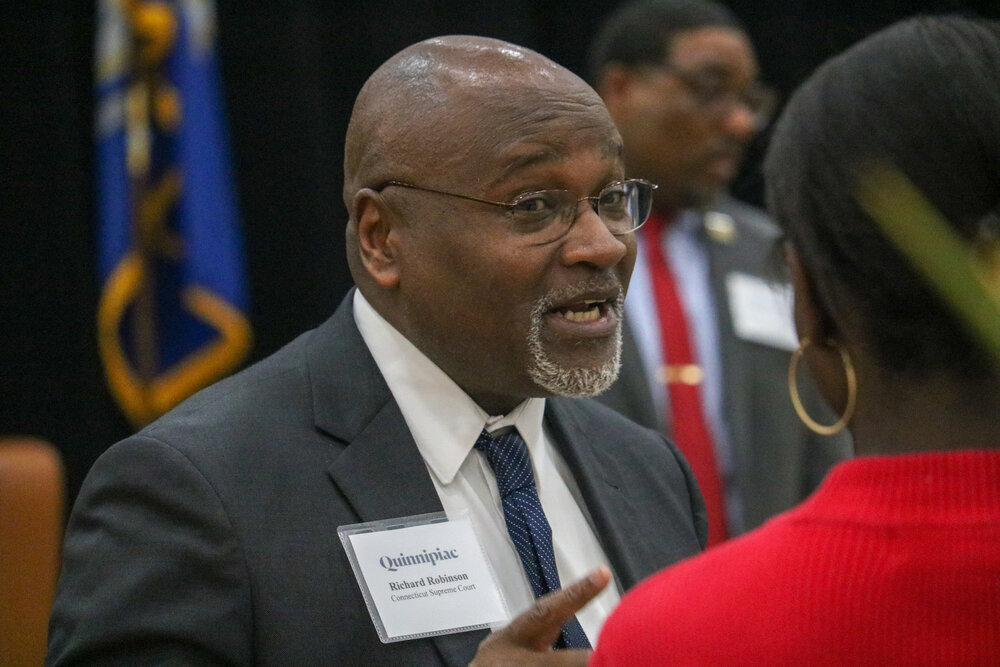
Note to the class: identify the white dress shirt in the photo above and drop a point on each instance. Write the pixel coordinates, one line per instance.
(445, 423)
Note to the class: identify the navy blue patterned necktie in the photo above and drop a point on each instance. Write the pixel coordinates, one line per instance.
(526, 524)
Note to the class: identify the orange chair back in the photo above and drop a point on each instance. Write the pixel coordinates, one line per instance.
(32, 497)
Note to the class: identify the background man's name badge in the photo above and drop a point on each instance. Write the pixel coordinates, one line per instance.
(762, 311)
(423, 576)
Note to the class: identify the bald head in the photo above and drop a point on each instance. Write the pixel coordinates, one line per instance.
(443, 138)
(442, 103)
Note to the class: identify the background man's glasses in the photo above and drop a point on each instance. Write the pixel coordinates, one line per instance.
(546, 215)
(714, 93)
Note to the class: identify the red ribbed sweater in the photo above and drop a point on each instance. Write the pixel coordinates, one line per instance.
(894, 560)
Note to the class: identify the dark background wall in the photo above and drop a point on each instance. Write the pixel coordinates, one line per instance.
(290, 71)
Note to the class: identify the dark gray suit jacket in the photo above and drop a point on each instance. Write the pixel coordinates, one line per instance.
(210, 536)
(777, 460)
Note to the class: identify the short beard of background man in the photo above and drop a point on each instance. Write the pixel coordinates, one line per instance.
(561, 380)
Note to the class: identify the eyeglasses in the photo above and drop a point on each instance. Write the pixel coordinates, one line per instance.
(547, 215)
(711, 91)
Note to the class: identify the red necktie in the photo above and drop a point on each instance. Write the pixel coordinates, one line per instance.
(683, 376)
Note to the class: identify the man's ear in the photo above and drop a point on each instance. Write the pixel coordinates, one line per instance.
(377, 239)
(614, 84)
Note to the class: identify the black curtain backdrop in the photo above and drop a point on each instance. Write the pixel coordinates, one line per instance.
(291, 71)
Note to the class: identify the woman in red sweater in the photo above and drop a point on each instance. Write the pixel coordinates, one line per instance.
(895, 559)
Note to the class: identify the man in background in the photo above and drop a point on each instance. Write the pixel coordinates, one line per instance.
(709, 330)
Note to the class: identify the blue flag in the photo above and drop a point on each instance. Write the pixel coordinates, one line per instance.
(172, 315)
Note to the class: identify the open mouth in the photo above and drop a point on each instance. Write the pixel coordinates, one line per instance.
(590, 310)
(574, 313)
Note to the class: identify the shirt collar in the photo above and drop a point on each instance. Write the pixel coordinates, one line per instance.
(444, 421)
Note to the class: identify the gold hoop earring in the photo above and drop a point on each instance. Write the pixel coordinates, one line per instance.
(852, 389)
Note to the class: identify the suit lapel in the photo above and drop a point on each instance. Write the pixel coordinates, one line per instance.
(724, 258)
(380, 472)
(616, 519)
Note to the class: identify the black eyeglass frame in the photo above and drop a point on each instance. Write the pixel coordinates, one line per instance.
(759, 99)
(511, 206)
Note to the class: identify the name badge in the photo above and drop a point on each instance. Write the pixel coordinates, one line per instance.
(762, 311)
(423, 576)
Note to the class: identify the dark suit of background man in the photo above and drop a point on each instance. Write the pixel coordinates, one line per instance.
(210, 536)
(679, 78)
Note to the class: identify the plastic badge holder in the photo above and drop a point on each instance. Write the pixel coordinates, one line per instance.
(437, 606)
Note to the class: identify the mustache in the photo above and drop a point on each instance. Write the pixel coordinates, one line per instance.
(599, 284)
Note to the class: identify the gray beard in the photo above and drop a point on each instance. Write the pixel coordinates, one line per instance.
(576, 382)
